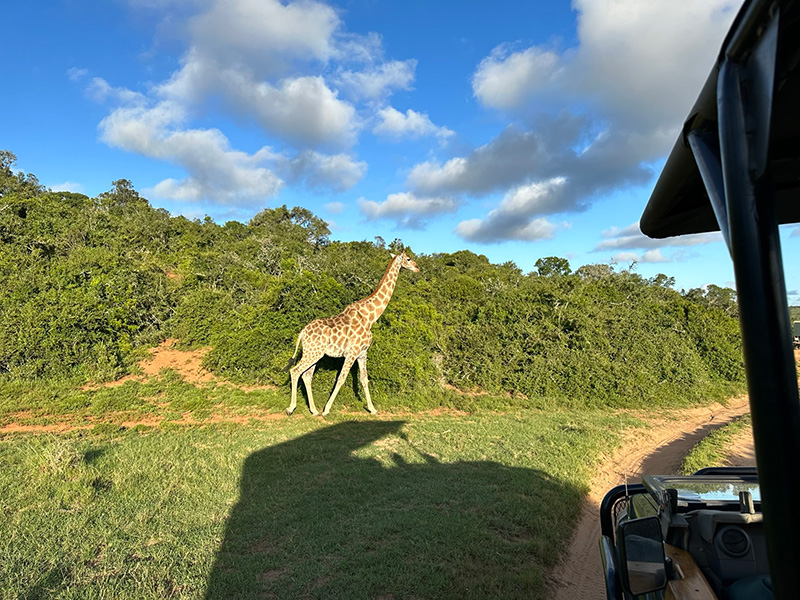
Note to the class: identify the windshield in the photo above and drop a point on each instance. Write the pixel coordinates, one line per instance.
(704, 489)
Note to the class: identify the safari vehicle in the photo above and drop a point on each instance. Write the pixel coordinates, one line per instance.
(730, 533)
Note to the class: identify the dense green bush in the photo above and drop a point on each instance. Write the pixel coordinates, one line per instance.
(89, 282)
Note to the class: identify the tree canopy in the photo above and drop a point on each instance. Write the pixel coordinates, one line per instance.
(90, 282)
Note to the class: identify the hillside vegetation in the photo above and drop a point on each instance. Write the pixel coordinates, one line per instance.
(90, 283)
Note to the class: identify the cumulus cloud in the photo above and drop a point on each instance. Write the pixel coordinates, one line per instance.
(651, 256)
(396, 124)
(68, 186)
(378, 81)
(407, 209)
(627, 85)
(519, 157)
(335, 208)
(514, 218)
(507, 79)
(338, 172)
(795, 232)
(217, 172)
(101, 91)
(265, 62)
(632, 237)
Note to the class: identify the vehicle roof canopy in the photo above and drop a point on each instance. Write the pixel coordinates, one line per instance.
(679, 203)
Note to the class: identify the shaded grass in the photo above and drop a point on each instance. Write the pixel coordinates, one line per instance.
(477, 506)
(712, 449)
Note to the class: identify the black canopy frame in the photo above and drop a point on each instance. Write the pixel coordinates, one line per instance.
(736, 168)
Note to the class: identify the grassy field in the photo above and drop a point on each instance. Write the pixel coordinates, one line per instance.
(713, 448)
(427, 505)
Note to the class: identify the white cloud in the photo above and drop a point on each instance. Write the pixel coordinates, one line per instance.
(338, 172)
(335, 208)
(378, 82)
(100, 90)
(409, 124)
(302, 110)
(76, 74)
(264, 36)
(632, 237)
(651, 256)
(795, 232)
(514, 218)
(407, 209)
(627, 85)
(266, 62)
(68, 186)
(217, 172)
(477, 230)
(506, 80)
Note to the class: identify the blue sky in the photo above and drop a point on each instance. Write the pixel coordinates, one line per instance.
(513, 129)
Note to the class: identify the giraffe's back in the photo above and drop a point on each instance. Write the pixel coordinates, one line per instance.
(337, 336)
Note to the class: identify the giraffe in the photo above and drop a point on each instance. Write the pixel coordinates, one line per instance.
(348, 334)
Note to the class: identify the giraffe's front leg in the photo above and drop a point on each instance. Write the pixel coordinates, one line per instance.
(362, 375)
(348, 363)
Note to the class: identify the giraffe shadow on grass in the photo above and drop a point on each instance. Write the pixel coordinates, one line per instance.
(353, 510)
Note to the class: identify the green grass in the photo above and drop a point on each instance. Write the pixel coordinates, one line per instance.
(712, 449)
(447, 506)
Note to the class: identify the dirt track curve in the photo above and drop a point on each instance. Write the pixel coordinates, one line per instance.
(658, 449)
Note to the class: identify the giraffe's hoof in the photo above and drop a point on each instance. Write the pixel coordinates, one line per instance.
(372, 411)
(314, 412)
(289, 411)
(325, 413)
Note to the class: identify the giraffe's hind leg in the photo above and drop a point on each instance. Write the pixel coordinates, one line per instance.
(307, 377)
(348, 363)
(362, 375)
(308, 360)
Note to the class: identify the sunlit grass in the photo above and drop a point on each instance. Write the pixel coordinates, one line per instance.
(712, 449)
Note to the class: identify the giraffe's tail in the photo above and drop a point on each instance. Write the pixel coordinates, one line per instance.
(293, 360)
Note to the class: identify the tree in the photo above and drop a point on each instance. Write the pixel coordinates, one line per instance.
(552, 265)
(662, 280)
(122, 198)
(16, 183)
(291, 223)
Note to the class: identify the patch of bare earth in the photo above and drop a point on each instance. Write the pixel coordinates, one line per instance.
(186, 363)
(657, 449)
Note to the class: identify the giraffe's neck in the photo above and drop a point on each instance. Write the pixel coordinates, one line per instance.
(374, 304)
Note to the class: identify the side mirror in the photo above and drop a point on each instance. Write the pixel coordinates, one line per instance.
(642, 563)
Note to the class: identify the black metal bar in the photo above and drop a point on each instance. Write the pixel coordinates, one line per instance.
(609, 560)
(761, 290)
(607, 525)
(705, 148)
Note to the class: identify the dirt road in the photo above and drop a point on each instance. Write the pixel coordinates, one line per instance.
(659, 449)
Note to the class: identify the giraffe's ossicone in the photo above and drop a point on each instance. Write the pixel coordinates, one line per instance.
(348, 334)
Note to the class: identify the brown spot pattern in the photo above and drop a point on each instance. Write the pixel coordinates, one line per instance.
(348, 334)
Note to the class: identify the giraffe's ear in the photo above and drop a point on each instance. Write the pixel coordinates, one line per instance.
(393, 254)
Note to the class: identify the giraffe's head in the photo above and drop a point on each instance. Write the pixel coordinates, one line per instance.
(407, 263)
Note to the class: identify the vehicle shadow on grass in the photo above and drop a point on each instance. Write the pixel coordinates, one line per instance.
(339, 513)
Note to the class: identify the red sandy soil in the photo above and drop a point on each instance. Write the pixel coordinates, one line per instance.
(187, 363)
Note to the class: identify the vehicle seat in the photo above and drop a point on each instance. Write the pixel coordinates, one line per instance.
(757, 587)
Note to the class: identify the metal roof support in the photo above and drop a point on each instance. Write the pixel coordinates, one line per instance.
(744, 101)
(705, 148)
